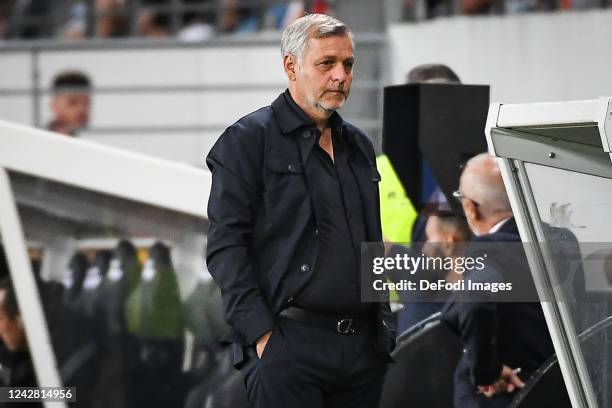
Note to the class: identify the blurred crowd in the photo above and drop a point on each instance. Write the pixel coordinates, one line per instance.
(198, 20)
(189, 20)
(416, 10)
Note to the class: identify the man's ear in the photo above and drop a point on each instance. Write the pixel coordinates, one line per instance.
(471, 210)
(290, 65)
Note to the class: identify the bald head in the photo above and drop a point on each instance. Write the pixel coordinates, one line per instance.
(482, 182)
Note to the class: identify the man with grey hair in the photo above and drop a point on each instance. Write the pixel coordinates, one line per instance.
(294, 194)
(483, 195)
(504, 342)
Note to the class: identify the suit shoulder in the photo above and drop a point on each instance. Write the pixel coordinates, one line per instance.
(247, 132)
(251, 124)
(243, 140)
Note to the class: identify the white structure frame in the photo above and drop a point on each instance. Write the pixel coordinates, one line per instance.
(142, 179)
(553, 135)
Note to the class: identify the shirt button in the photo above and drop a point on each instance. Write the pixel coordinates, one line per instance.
(290, 300)
(305, 268)
(316, 232)
(306, 134)
(291, 168)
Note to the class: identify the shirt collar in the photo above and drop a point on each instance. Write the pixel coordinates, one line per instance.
(498, 226)
(291, 117)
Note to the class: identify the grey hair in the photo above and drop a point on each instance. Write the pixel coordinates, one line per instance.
(483, 183)
(296, 35)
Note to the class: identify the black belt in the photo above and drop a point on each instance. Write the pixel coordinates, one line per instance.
(347, 325)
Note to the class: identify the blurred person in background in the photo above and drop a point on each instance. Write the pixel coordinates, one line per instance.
(5, 11)
(70, 103)
(28, 19)
(281, 14)
(16, 368)
(412, 226)
(237, 18)
(12, 332)
(446, 232)
(430, 74)
(199, 25)
(151, 24)
(446, 236)
(75, 27)
(110, 20)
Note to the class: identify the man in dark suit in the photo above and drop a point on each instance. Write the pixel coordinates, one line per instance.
(294, 193)
(504, 342)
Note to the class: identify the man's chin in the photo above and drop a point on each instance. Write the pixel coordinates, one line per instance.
(332, 105)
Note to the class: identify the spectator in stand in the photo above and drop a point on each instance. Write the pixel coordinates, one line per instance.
(111, 19)
(238, 18)
(71, 103)
(28, 19)
(199, 25)
(76, 26)
(280, 15)
(151, 24)
(5, 11)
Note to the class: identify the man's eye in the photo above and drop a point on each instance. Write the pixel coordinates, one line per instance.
(349, 64)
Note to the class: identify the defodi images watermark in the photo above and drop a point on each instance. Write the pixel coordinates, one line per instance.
(487, 271)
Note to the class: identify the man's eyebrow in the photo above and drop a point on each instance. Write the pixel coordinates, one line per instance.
(335, 57)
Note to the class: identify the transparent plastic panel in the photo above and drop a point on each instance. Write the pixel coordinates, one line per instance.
(575, 212)
(133, 315)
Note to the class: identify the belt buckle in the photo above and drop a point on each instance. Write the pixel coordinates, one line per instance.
(345, 326)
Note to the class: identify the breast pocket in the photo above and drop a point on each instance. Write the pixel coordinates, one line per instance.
(285, 187)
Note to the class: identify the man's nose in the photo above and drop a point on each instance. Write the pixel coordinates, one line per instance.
(339, 73)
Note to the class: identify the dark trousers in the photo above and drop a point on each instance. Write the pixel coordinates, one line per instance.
(310, 367)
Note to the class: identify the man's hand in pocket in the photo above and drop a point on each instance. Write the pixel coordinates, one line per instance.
(261, 343)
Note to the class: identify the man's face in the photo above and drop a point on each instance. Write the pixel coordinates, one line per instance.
(438, 238)
(11, 329)
(434, 230)
(71, 109)
(325, 72)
